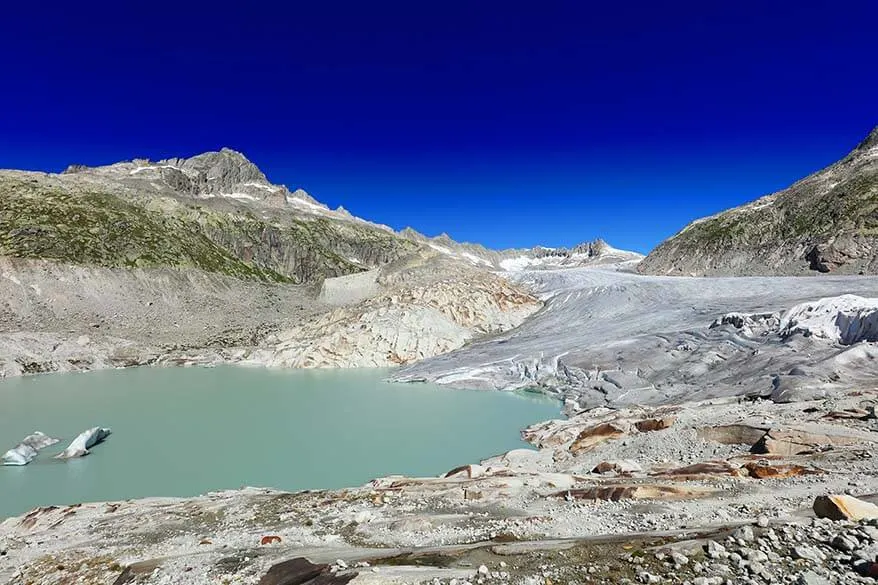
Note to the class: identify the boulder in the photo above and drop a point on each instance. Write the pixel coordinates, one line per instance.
(841, 507)
(620, 466)
(588, 438)
(798, 442)
(655, 424)
(763, 471)
(735, 434)
(635, 492)
(701, 471)
(471, 471)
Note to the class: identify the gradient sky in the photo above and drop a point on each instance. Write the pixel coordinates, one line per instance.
(510, 125)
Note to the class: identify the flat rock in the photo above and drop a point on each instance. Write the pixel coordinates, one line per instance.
(588, 438)
(621, 466)
(799, 442)
(734, 434)
(635, 492)
(655, 424)
(841, 507)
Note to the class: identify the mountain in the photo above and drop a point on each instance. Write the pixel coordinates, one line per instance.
(204, 260)
(216, 212)
(595, 253)
(827, 222)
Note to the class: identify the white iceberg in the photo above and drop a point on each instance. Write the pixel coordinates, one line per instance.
(86, 440)
(24, 452)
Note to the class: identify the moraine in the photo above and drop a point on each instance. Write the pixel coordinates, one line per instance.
(186, 431)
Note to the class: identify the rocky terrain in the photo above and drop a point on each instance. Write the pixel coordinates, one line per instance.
(716, 430)
(827, 222)
(711, 492)
(203, 260)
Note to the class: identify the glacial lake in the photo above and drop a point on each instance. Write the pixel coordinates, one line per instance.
(188, 431)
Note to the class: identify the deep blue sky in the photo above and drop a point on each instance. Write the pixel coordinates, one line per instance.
(546, 123)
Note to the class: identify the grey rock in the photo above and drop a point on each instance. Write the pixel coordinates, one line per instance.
(809, 553)
(756, 555)
(715, 550)
(811, 578)
(744, 533)
(844, 543)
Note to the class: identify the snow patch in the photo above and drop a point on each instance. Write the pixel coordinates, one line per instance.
(240, 196)
(516, 264)
(441, 249)
(151, 168)
(475, 259)
(261, 186)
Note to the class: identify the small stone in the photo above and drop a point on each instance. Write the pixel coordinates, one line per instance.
(762, 522)
(502, 564)
(679, 559)
(840, 507)
(644, 577)
(341, 564)
(744, 533)
(757, 555)
(808, 553)
(843, 543)
(483, 570)
(715, 550)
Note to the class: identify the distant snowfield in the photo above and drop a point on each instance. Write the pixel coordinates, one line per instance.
(610, 337)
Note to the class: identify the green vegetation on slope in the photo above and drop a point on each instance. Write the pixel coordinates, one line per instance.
(40, 220)
(769, 236)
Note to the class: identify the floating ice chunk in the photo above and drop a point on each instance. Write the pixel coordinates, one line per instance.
(24, 452)
(86, 440)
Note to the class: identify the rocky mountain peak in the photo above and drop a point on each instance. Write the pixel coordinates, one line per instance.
(222, 170)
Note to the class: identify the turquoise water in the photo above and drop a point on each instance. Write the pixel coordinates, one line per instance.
(187, 431)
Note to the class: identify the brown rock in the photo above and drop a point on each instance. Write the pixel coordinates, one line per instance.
(849, 414)
(840, 507)
(469, 471)
(292, 572)
(655, 424)
(701, 471)
(622, 466)
(762, 471)
(588, 438)
(270, 539)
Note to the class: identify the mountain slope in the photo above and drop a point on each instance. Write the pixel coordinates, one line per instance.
(827, 222)
(215, 212)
